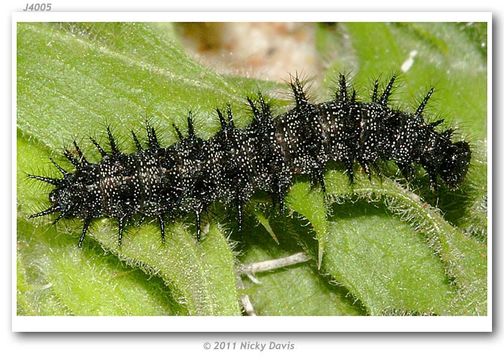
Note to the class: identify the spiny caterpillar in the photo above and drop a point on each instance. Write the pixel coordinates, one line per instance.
(230, 167)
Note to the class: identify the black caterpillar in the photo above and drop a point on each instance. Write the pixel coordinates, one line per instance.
(235, 163)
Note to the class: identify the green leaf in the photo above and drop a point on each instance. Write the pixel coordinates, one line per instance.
(296, 290)
(57, 278)
(378, 247)
(384, 261)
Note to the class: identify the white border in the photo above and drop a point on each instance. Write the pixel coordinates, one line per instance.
(263, 323)
(254, 16)
(293, 324)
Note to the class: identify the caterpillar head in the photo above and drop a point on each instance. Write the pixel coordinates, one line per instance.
(455, 163)
(68, 199)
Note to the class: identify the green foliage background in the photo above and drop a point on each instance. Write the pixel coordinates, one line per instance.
(378, 247)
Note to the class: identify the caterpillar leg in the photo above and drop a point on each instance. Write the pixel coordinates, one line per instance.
(84, 231)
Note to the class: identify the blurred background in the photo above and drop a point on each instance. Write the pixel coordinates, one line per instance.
(262, 50)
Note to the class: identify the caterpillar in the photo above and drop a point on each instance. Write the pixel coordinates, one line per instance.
(186, 177)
